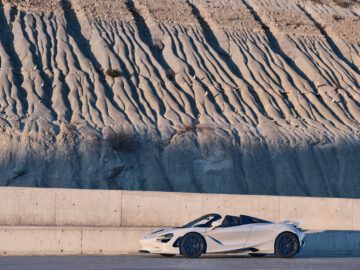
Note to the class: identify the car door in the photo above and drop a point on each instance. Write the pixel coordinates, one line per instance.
(261, 233)
(227, 238)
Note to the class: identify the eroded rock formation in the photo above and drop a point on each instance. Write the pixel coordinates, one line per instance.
(248, 96)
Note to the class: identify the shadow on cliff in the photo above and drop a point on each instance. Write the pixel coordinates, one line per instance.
(199, 161)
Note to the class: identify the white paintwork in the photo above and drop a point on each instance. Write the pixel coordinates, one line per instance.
(242, 238)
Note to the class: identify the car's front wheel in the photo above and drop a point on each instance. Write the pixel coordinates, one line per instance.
(192, 245)
(286, 245)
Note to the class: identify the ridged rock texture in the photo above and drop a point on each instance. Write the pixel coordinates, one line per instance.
(219, 96)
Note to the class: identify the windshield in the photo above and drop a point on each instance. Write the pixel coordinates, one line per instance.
(203, 222)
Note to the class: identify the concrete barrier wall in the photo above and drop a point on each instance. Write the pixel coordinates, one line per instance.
(66, 207)
(59, 240)
(65, 221)
(55, 207)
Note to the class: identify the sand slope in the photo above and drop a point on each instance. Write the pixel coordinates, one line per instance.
(250, 96)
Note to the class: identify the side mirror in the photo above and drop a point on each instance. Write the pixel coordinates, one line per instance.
(216, 224)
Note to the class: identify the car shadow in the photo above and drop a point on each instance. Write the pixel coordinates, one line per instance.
(340, 243)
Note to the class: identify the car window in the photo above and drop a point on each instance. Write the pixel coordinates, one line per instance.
(250, 220)
(204, 221)
(230, 221)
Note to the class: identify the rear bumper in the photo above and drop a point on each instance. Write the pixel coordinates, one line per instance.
(302, 241)
(302, 244)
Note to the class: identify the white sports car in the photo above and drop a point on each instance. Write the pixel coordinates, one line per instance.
(232, 234)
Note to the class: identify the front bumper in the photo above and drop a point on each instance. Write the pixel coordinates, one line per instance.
(151, 245)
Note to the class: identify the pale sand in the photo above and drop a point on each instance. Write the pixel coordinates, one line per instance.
(236, 96)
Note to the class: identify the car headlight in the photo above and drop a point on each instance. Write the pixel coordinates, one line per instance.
(165, 238)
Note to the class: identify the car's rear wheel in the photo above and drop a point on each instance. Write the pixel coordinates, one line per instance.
(192, 245)
(168, 255)
(286, 245)
(257, 255)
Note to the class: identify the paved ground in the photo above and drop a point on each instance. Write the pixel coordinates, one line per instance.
(154, 262)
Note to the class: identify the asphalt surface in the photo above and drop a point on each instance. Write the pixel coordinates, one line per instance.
(151, 262)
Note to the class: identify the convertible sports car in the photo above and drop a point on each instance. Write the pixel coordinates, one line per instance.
(232, 234)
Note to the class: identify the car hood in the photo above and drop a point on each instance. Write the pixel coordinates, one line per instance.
(160, 231)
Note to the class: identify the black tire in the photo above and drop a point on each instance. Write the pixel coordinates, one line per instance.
(192, 245)
(168, 255)
(286, 245)
(257, 255)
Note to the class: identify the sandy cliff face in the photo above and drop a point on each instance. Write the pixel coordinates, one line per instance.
(249, 96)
